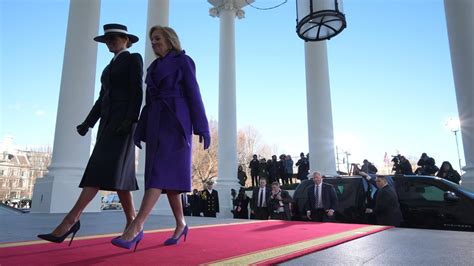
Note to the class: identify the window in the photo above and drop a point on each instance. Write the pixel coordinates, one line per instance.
(422, 192)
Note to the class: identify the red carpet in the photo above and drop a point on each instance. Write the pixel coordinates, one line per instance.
(244, 243)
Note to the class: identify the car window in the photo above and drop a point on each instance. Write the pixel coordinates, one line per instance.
(433, 193)
(340, 188)
(421, 191)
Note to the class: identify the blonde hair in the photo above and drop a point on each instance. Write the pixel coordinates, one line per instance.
(169, 34)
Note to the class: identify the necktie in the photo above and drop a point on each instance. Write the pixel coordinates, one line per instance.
(260, 198)
(316, 195)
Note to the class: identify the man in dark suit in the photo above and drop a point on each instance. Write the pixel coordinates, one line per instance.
(195, 201)
(186, 204)
(279, 203)
(258, 204)
(322, 200)
(387, 209)
(210, 201)
(254, 170)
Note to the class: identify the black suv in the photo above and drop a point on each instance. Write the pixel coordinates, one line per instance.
(425, 201)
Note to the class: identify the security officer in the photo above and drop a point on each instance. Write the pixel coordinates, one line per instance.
(210, 200)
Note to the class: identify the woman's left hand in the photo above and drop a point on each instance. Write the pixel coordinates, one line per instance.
(206, 137)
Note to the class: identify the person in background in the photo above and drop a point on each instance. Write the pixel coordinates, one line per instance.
(279, 203)
(195, 201)
(387, 209)
(186, 204)
(427, 165)
(368, 167)
(405, 166)
(303, 167)
(289, 168)
(241, 175)
(254, 166)
(241, 209)
(322, 200)
(258, 203)
(447, 172)
(210, 200)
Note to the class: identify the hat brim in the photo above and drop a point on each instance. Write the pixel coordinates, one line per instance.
(131, 37)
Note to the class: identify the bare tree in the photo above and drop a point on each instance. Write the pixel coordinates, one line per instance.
(204, 164)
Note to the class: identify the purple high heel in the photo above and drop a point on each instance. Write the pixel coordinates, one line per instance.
(128, 244)
(174, 241)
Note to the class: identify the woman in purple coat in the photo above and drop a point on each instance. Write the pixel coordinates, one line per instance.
(172, 113)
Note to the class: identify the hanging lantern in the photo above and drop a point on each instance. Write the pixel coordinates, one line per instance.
(318, 20)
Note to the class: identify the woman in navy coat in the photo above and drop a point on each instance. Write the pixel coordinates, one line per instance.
(112, 163)
(173, 112)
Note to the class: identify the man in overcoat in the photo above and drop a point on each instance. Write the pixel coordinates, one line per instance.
(387, 209)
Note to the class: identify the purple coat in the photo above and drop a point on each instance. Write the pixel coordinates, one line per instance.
(172, 112)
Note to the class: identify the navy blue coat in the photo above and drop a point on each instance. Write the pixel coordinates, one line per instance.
(112, 162)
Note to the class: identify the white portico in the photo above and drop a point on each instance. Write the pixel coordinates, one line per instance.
(57, 191)
(227, 10)
(460, 23)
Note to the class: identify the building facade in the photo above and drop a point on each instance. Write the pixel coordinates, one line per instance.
(18, 172)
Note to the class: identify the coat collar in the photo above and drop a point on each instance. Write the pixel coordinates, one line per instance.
(162, 67)
(120, 57)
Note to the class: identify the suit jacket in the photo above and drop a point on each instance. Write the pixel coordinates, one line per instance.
(387, 208)
(196, 205)
(254, 200)
(328, 196)
(286, 199)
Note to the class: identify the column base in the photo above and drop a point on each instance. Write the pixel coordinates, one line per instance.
(225, 198)
(467, 179)
(58, 191)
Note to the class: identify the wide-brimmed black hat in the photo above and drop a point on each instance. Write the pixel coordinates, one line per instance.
(116, 29)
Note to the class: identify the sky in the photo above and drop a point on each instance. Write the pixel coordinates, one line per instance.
(392, 88)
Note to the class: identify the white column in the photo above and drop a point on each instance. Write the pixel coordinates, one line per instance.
(460, 23)
(157, 14)
(227, 10)
(58, 190)
(318, 97)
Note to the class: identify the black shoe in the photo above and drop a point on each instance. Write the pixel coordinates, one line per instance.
(60, 239)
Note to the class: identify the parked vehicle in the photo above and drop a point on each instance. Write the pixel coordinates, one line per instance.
(425, 201)
(111, 202)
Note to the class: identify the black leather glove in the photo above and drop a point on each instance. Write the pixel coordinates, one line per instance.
(82, 129)
(124, 127)
(206, 137)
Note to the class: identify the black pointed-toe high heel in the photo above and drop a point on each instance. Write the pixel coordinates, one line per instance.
(60, 239)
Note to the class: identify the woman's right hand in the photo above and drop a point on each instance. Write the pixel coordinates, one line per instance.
(82, 129)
